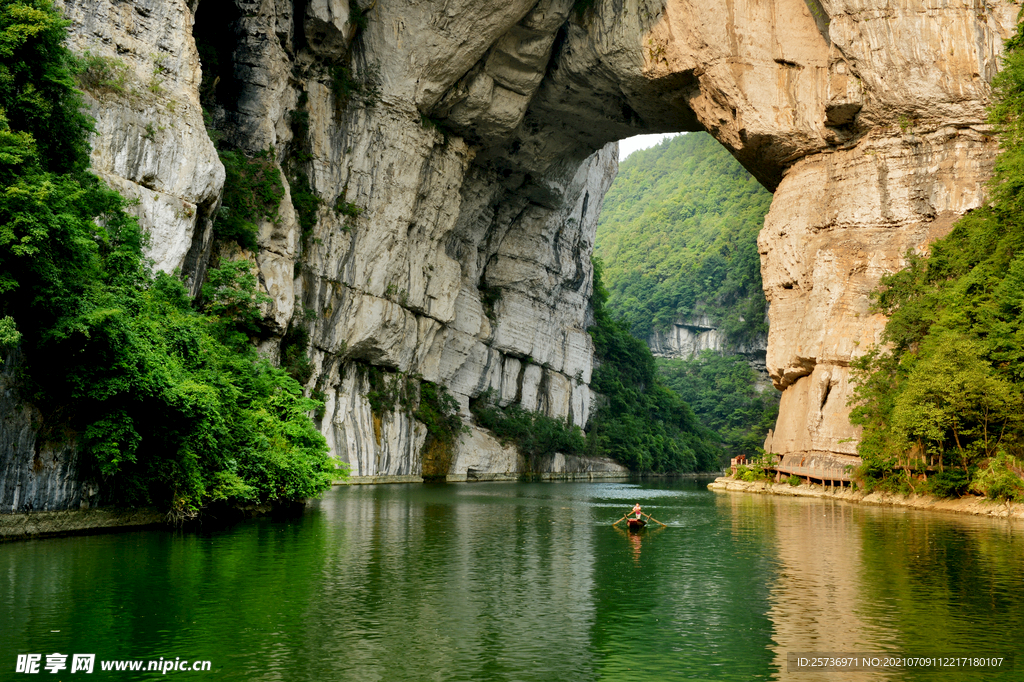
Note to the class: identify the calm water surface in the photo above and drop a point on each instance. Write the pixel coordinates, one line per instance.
(520, 582)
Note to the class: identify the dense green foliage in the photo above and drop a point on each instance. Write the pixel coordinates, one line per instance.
(252, 192)
(946, 391)
(97, 73)
(641, 423)
(678, 235)
(678, 232)
(295, 353)
(722, 391)
(44, 126)
(534, 434)
(438, 410)
(169, 404)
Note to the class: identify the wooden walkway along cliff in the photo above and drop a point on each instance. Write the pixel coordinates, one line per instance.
(814, 467)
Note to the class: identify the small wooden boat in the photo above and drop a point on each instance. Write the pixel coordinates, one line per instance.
(636, 524)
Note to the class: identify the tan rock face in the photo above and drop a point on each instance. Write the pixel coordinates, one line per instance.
(759, 72)
(476, 154)
(838, 222)
(918, 159)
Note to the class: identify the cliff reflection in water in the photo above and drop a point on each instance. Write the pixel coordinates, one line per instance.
(485, 576)
(860, 579)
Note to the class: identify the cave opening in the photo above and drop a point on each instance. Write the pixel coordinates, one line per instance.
(215, 32)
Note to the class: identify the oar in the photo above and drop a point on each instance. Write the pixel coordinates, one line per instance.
(653, 519)
(622, 519)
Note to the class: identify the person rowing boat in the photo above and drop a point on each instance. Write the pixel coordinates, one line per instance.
(636, 523)
(632, 517)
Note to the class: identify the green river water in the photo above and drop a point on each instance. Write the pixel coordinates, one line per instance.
(525, 581)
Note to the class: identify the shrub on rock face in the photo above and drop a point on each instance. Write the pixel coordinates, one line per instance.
(534, 435)
(100, 74)
(949, 483)
(1001, 479)
(252, 192)
(438, 410)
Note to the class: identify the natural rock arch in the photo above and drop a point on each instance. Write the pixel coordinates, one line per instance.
(867, 121)
(473, 142)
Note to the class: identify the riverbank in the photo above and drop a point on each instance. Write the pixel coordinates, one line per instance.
(977, 506)
(485, 477)
(44, 524)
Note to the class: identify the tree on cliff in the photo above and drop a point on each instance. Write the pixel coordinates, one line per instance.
(169, 405)
(944, 394)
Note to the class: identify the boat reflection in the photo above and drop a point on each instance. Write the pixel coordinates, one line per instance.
(637, 538)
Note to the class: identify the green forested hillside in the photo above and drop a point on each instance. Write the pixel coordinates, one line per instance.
(725, 393)
(641, 422)
(944, 396)
(678, 235)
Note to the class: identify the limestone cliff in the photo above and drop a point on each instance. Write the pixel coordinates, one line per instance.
(690, 337)
(466, 148)
(868, 122)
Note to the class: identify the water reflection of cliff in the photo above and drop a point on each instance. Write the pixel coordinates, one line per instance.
(464, 589)
(862, 579)
(814, 595)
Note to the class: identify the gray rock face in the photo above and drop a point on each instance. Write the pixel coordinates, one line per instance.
(690, 337)
(36, 473)
(150, 142)
(460, 152)
(480, 458)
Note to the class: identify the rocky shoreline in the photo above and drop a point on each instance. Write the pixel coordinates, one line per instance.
(977, 506)
(44, 524)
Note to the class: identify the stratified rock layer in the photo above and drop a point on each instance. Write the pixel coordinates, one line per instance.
(460, 152)
(688, 338)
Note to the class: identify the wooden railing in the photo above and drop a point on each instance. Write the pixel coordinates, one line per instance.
(820, 467)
